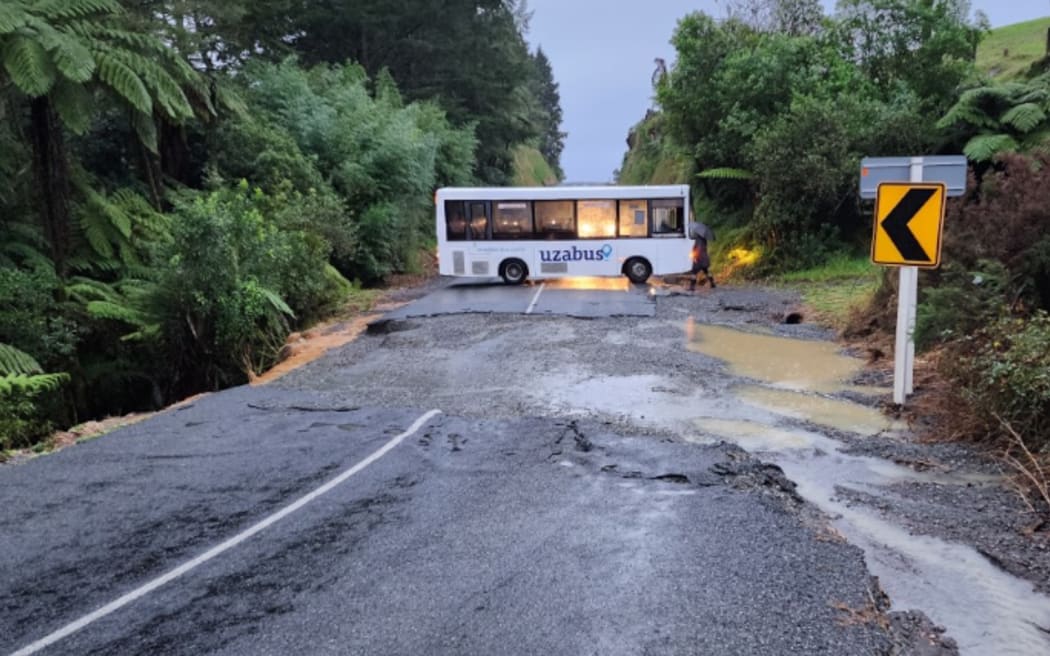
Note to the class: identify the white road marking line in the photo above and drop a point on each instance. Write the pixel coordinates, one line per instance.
(535, 298)
(73, 627)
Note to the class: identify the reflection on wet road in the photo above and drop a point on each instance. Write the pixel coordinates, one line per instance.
(572, 297)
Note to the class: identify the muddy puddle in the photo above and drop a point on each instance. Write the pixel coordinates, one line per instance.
(986, 610)
(783, 362)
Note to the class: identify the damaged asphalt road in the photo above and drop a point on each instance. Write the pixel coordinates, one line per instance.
(473, 536)
(507, 524)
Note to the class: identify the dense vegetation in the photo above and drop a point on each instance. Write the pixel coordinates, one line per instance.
(767, 112)
(183, 183)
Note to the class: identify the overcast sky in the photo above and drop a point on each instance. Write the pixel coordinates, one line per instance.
(602, 53)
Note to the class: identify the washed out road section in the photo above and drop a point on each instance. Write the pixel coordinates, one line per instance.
(473, 536)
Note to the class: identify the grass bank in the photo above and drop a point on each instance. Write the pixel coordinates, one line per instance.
(832, 290)
(1009, 51)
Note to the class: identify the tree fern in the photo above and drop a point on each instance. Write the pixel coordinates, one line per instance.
(983, 148)
(966, 112)
(1024, 117)
(68, 9)
(28, 64)
(110, 226)
(22, 244)
(14, 361)
(60, 54)
(124, 81)
(21, 383)
(12, 17)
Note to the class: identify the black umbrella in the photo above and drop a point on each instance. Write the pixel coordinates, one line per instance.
(698, 230)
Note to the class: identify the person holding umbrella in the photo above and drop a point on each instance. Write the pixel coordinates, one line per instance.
(701, 234)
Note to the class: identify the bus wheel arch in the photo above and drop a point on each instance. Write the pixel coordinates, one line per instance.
(637, 269)
(513, 271)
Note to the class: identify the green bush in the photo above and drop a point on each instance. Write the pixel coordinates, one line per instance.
(33, 320)
(1003, 372)
(961, 303)
(232, 283)
(29, 398)
(322, 131)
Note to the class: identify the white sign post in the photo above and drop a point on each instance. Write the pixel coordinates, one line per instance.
(949, 172)
(907, 300)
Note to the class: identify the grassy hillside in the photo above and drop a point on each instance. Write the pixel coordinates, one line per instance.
(1010, 50)
(531, 169)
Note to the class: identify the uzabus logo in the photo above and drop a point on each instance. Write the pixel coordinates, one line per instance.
(575, 254)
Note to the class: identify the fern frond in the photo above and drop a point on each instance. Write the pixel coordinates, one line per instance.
(15, 361)
(31, 384)
(12, 18)
(115, 312)
(73, 59)
(25, 232)
(1034, 95)
(276, 301)
(69, 9)
(229, 99)
(124, 82)
(122, 39)
(29, 66)
(96, 234)
(725, 173)
(966, 113)
(85, 290)
(984, 147)
(146, 130)
(166, 90)
(1025, 117)
(27, 255)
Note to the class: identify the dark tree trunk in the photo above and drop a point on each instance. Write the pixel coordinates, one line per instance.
(174, 153)
(52, 177)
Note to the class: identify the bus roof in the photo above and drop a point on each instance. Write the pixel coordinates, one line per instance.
(627, 192)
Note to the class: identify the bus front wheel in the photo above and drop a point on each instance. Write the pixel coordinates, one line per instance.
(638, 270)
(514, 272)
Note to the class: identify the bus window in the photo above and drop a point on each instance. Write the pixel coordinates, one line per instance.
(596, 218)
(512, 220)
(634, 218)
(455, 220)
(668, 216)
(479, 220)
(555, 219)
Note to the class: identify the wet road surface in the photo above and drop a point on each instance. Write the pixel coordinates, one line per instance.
(472, 536)
(586, 488)
(580, 297)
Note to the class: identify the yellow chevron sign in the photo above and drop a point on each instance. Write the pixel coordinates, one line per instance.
(909, 221)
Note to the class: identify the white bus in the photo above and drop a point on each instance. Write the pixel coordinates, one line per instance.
(556, 232)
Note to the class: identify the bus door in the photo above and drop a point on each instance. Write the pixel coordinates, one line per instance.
(479, 216)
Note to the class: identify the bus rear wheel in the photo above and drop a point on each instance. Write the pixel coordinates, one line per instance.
(638, 270)
(514, 272)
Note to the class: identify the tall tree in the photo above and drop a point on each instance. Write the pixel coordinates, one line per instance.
(58, 56)
(469, 54)
(928, 45)
(791, 17)
(545, 89)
